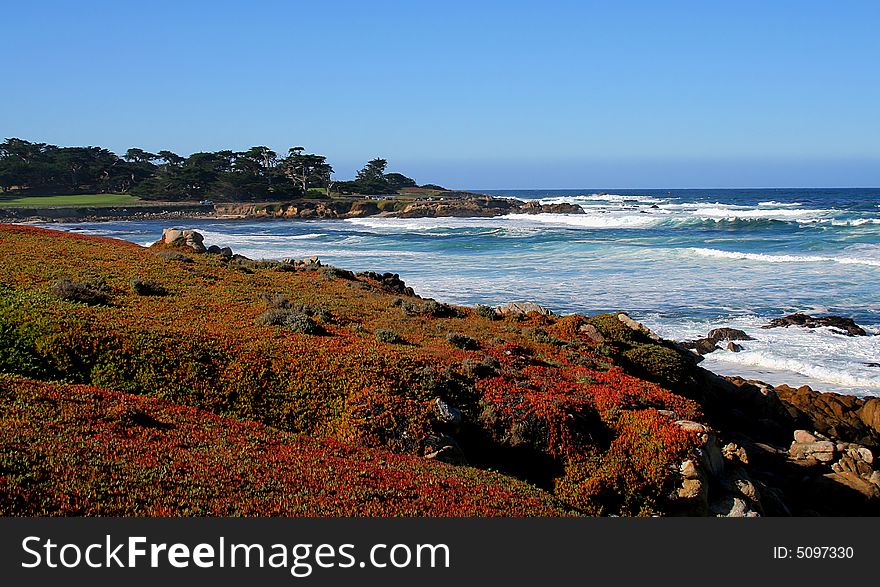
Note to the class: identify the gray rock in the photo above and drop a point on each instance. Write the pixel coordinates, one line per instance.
(591, 332)
(804, 437)
(446, 413)
(523, 308)
(638, 326)
(719, 334)
(821, 450)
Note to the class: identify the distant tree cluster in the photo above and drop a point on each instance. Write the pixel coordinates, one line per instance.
(252, 175)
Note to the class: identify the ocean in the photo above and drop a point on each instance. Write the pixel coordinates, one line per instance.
(680, 261)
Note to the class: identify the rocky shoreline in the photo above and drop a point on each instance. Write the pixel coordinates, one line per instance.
(446, 204)
(764, 450)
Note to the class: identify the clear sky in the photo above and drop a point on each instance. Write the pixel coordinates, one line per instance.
(471, 94)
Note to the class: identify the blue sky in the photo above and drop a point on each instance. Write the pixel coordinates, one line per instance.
(469, 94)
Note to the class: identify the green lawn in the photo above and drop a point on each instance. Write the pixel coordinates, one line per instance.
(78, 200)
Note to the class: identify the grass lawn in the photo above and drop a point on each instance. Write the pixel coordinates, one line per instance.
(76, 200)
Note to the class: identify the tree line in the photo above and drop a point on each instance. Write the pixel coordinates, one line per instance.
(256, 174)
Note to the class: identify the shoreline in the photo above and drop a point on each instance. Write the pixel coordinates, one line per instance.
(446, 204)
(476, 377)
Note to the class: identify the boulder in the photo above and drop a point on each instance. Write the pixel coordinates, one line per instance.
(733, 347)
(848, 464)
(523, 308)
(447, 414)
(175, 237)
(734, 452)
(841, 325)
(591, 332)
(688, 469)
(701, 346)
(804, 437)
(869, 414)
(821, 450)
(638, 326)
(719, 334)
(843, 417)
(732, 507)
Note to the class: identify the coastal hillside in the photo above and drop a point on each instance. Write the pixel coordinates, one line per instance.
(190, 352)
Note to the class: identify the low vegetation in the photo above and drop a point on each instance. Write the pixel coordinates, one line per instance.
(532, 396)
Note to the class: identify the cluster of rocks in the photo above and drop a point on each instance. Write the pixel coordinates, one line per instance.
(851, 464)
(539, 208)
(176, 237)
(709, 344)
(303, 210)
(311, 263)
(522, 308)
(390, 282)
(846, 326)
(715, 481)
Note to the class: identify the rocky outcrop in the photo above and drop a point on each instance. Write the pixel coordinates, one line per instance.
(719, 334)
(534, 207)
(472, 206)
(709, 344)
(390, 282)
(840, 325)
(176, 237)
(843, 417)
(522, 308)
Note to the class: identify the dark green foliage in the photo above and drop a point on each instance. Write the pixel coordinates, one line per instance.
(429, 308)
(147, 287)
(658, 362)
(331, 272)
(175, 256)
(486, 312)
(93, 292)
(462, 341)
(398, 181)
(389, 336)
(257, 174)
(289, 319)
(614, 330)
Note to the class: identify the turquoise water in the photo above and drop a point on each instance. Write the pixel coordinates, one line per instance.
(682, 261)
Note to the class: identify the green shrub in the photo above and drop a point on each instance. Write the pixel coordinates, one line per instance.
(658, 362)
(147, 287)
(430, 308)
(389, 336)
(290, 319)
(175, 256)
(615, 330)
(462, 341)
(331, 272)
(93, 292)
(487, 312)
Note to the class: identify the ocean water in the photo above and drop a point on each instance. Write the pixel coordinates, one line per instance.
(681, 261)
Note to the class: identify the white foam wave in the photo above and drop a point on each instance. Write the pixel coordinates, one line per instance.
(817, 357)
(590, 198)
(716, 253)
(743, 213)
(776, 362)
(775, 204)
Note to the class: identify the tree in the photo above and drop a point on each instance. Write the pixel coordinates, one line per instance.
(371, 179)
(306, 170)
(398, 181)
(139, 156)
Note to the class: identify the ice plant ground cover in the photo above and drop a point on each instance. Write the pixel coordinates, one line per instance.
(79, 450)
(282, 352)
